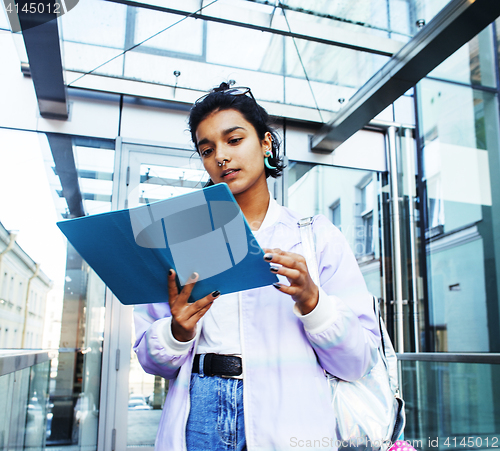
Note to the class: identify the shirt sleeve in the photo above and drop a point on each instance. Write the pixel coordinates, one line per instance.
(169, 342)
(342, 328)
(322, 316)
(158, 353)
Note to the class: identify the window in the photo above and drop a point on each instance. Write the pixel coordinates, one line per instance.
(4, 285)
(11, 289)
(368, 232)
(335, 214)
(436, 208)
(20, 295)
(6, 338)
(367, 202)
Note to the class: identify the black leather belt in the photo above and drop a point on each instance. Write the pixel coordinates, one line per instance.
(218, 365)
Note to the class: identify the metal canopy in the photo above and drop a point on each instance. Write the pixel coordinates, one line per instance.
(41, 38)
(453, 27)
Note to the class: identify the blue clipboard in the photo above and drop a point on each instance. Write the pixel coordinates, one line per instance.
(204, 231)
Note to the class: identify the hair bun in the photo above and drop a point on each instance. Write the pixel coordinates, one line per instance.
(222, 87)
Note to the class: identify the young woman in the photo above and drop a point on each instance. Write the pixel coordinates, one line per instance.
(246, 370)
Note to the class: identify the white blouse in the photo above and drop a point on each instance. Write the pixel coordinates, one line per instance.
(220, 332)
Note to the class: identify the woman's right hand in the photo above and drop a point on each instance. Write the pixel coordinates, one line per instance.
(185, 315)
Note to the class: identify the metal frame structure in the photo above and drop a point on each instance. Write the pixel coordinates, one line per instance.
(16, 360)
(303, 31)
(451, 357)
(454, 26)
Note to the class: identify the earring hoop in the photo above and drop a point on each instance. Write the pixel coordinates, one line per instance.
(266, 160)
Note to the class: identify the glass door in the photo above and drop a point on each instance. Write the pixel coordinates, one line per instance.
(349, 198)
(368, 191)
(151, 174)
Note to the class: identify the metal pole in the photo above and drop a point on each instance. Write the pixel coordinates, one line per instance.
(410, 183)
(412, 191)
(383, 260)
(396, 236)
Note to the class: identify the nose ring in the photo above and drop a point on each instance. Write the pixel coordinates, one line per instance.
(223, 163)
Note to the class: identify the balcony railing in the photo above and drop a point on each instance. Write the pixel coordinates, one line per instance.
(24, 384)
(452, 400)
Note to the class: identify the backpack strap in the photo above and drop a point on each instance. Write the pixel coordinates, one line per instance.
(309, 247)
(387, 353)
(386, 349)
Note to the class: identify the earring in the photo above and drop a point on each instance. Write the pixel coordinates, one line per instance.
(266, 160)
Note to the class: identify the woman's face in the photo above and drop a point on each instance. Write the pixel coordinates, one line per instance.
(227, 138)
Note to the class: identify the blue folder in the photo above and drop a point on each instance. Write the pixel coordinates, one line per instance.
(204, 231)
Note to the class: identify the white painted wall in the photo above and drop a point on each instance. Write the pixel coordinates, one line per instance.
(363, 150)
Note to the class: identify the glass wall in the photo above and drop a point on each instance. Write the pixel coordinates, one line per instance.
(151, 45)
(25, 421)
(350, 199)
(451, 405)
(50, 298)
(460, 161)
(147, 392)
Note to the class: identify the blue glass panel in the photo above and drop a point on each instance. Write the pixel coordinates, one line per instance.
(459, 129)
(451, 406)
(474, 63)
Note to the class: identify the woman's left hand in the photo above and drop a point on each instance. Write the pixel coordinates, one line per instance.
(293, 266)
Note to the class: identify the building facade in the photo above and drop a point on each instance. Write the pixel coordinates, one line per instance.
(24, 289)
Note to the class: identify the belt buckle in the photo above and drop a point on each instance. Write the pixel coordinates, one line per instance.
(240, 376)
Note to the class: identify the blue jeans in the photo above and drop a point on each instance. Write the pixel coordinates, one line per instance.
(215, 420)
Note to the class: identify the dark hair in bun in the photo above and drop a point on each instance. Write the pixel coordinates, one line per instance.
(226, 98)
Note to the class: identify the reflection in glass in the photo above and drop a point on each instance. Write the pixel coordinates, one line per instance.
(248, 49)
(333, 72)
(367, 202)
(472, 64)
(25, 419)
(38, 419)
(75, 379)
(63, 177)
(336, 216)
(147, 392)
(84, 57)
(450, 402)
(4, 22)
(267, 62)
(375, 17)
(101, 24)
(348, 198)
(497, 28)
(460, 136)
(161, 182)
(180, 36)
(147, 395)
